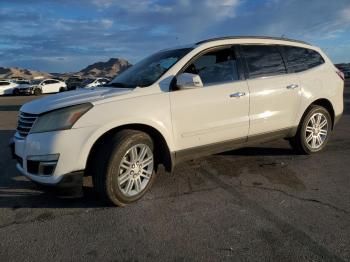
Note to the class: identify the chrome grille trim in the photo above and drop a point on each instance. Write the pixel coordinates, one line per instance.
(25, 123)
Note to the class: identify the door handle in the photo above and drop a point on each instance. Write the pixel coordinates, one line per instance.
(292, 86)
(238, 94)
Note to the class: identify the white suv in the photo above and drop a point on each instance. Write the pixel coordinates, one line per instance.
(180, 104)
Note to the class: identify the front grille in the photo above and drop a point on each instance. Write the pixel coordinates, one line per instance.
(25, 123)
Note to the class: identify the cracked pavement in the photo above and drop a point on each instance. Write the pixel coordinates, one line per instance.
(260, 203)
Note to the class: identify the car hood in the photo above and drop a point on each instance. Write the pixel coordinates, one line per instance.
(70, 98)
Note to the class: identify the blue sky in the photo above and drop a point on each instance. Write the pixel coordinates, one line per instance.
(67, 35)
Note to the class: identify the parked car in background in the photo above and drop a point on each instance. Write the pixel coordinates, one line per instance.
(94, 82)
(347, 73)
(178, 104)
(41, 86)
(345, 68)
(74, 82)
(7, 87)
(20, 84)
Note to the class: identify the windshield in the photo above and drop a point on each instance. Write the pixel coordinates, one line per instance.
(88, 81)
(150, 69)
(36, 82)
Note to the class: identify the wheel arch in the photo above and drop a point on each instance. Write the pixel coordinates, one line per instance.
(163, 154)
(327, 105)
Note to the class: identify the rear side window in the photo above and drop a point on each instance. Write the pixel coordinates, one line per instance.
(217, 66)
(4, 83)
(300, 59)
(263, 60)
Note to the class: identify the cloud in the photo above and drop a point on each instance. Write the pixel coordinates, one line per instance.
(80, 31)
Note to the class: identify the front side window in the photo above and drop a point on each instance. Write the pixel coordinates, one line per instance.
(215, 67)
(149, 70)
(263, 60)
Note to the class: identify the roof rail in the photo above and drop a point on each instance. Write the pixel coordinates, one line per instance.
(255, 37)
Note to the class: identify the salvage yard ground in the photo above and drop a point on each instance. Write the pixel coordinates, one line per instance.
(255, 204)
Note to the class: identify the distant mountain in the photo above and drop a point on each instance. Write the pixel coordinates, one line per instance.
(111, 68)
(12, 72)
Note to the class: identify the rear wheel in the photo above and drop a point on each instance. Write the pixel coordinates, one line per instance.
(62, 89)
(123, 167)
(15, 92)
(313, 132)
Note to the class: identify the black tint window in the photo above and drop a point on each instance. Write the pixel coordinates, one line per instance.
(4, 83)
(301, 59)
(314, 58)
(263, 60)
(215, 67)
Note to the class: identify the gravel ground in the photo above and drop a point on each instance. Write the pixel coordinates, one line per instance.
(253, 204)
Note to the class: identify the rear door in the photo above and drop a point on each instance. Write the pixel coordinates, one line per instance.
(274, 94)
(46, 86)
(56, 85)
(53, 86)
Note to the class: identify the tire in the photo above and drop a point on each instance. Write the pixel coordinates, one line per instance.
(114, 183)
(37, 91)
(62, 89)
(15, 92)
(309, 138)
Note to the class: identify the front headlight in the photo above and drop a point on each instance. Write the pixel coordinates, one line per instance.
(60, 119)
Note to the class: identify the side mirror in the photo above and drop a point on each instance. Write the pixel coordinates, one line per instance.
(189, 81)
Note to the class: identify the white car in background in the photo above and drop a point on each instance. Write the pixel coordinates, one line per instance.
(7, 87)
(41, 86)
(94, 82)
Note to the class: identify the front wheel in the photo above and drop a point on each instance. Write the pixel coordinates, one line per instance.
(313, 132)
(123, 167)
(15, 92)
(37, 91)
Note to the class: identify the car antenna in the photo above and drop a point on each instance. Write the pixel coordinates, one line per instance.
(177, 40)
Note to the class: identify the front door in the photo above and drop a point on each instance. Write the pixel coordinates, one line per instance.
(215, 113)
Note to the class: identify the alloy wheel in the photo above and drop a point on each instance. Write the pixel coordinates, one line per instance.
(316, 131)
(135, 170)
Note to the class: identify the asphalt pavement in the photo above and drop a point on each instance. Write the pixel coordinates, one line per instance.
(261, 203)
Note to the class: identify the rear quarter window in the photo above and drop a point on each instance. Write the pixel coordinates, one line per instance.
(300, 59)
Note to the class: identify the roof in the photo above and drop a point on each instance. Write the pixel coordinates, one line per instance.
(250, 37)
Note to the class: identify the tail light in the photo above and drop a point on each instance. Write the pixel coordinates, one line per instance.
(341, 75)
